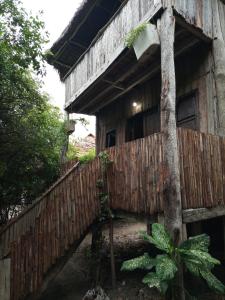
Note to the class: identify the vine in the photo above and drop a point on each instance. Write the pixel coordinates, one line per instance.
(105, 211)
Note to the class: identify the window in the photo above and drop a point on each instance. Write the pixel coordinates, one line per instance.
(134, 128)
(110, 138)
(187, 111)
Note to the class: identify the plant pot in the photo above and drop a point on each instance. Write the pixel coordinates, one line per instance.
(147, 42)
(70, 127)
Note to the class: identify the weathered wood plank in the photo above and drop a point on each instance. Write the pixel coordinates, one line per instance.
(200, 214)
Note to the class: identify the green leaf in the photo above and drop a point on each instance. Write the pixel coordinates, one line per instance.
(213, 282)
(165, 267)
(193, 268)
(160, 238)
(199, 257)
(153, 280)
(142, 262)
(199, 242)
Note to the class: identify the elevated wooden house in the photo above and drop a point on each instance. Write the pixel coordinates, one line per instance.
(161, 117)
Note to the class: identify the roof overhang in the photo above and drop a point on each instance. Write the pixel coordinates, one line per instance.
(89, 19)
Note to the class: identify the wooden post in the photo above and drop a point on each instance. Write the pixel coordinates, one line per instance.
(171, 172)
(5, 279)
(219, 61)
(223, 237)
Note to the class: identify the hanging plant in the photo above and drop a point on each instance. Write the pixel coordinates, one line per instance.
(134, 34)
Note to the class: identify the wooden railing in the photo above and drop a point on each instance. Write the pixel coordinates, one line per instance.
(43, 233)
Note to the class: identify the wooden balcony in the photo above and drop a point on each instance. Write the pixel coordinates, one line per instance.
(107, 63)
(41, 239)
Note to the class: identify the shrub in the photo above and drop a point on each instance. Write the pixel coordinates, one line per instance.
(193, 253)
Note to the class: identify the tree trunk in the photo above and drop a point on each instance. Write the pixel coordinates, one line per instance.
(112, 257)
(96, 247)
(171, 172)
(219, 61)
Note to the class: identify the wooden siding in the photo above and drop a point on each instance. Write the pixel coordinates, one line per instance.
(197, 13)
(108, 46)
(36, 240)
(194, 72)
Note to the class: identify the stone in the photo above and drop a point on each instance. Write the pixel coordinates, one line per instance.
(96, 294)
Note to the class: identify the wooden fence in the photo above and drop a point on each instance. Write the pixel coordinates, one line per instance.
(43, 233)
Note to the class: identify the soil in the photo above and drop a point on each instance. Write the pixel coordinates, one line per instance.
(76, 278)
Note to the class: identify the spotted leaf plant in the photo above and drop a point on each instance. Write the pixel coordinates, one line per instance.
(192, 253)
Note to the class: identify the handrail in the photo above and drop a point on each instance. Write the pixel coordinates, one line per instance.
(38, 200)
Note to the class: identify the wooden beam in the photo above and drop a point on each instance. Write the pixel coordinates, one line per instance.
(172, 204)
(114, 84)
(201, 214)
(62, 64)
(77, 44)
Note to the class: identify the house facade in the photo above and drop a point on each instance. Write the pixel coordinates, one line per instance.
(160, 117)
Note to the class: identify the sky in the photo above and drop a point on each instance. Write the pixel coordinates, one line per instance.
(56, 15)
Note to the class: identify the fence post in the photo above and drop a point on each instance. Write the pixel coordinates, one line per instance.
(5, 279)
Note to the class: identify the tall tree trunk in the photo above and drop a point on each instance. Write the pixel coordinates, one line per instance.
(171, 188)
(219, 61)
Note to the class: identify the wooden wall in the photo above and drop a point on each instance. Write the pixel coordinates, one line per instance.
(116, 114)
(193, 73)
(197, 13)
(108, 46)
(5, 279)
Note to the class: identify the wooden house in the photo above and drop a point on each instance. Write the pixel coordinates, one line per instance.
(160, 117)
(104, 78)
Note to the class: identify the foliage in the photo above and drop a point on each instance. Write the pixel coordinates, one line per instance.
(31, 130)
(134, 34)
(193, 253)
(88, 157)
(105, 211)
(72, 152)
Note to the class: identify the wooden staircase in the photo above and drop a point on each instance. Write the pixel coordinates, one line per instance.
(41, 239)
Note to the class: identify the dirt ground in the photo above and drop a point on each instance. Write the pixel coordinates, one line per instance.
(76, 277)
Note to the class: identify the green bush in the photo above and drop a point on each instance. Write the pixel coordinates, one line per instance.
(86, 158)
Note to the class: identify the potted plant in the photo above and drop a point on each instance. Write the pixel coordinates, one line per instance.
(144, 39)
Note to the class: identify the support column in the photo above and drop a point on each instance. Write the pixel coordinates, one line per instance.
(171, 189)
(171, 171)
(219, 61)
